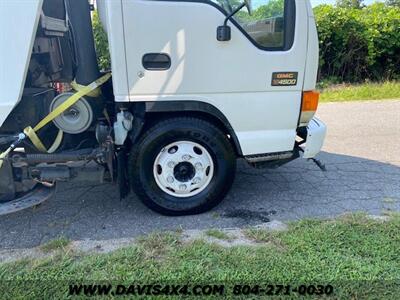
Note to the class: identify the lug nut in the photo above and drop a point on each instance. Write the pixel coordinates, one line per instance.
(186, 157)
(196, 180)
(170, 179)
(171, 164)
(182, 187)
(199, 166)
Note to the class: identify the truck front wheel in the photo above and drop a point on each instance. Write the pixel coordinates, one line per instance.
(182, 166)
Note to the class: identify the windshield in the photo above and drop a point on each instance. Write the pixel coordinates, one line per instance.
(265, 26)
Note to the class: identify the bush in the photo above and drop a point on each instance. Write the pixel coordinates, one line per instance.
(101, 41)
(383, 35)
(359, 44)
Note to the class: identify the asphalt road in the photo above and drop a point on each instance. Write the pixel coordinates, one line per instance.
(361, 154)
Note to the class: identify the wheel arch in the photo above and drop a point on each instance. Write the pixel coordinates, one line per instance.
(165, 109)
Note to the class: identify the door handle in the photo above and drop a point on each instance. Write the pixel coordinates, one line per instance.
(156, 61)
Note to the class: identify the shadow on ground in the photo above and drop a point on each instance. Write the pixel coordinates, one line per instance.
(297, 190)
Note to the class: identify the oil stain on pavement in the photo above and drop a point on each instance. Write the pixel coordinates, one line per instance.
(250, 216)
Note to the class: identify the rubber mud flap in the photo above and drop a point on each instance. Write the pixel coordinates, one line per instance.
(7, 188)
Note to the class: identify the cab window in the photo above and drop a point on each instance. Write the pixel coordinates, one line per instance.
(267, 25)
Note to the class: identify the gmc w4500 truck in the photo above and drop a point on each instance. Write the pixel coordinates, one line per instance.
(194, 85)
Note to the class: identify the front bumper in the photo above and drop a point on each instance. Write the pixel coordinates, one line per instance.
(316, 133)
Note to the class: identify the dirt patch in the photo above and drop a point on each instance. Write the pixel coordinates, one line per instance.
(237, 238)
(84, 246)
(273, 226)
(155, 242)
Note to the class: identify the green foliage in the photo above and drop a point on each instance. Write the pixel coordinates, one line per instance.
(101, 41)
(359, 44)
(393, 3)
(272, 8)
(56, 244)
(350, 3)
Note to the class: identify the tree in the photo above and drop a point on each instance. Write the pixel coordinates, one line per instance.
(395, 3)
(350, 3)
(273, 8)
(100, 37)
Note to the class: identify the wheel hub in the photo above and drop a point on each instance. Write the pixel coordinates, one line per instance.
(183, 169)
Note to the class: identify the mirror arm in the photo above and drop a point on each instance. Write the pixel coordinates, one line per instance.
(234, 13)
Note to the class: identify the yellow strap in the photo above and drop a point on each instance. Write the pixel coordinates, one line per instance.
(71, 101)
(77, 87)
(4, 155)
(57, 142)
(38, 143)
(31, 132)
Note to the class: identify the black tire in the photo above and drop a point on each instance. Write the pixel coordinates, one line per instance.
(162, 134)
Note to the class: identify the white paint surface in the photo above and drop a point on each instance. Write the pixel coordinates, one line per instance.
(18, 23)
(233, 76)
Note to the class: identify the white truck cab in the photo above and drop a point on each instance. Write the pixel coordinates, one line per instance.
(236, 77)
(196, 84)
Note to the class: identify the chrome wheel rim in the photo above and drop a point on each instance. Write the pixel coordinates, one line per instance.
(183, 169)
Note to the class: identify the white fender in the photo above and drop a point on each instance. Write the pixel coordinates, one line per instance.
(18, 22)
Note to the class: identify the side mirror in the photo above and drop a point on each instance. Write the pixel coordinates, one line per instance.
(224, 31)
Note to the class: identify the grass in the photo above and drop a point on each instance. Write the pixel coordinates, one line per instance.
(57, 244)
(157, 245)
(357, 255)
(218, 234)
(264, 236)
(366, 91)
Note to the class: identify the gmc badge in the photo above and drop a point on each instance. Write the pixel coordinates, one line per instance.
(284, 78)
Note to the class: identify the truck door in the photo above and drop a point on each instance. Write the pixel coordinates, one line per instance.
(255, 79)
